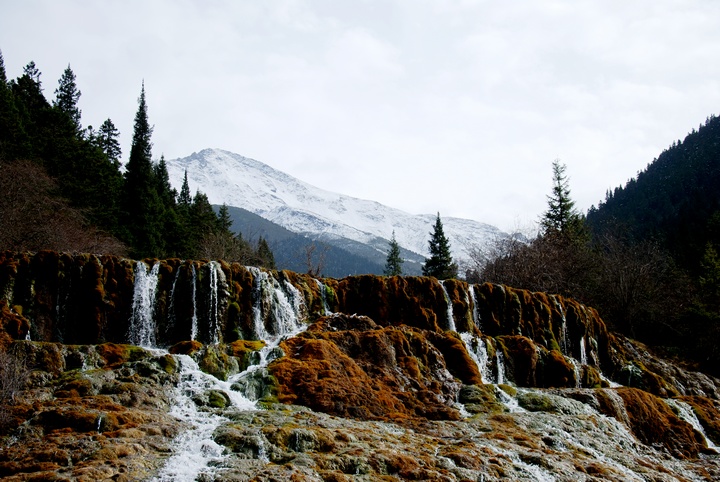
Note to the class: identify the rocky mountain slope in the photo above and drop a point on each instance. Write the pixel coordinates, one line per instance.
(340, 220)
(186, 370)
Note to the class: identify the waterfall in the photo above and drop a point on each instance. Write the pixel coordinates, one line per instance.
(583, 353)
(475, 310)
(323, 297)
(195, 451)
(194, 321)
(577, 370)
(478, 352)
(171, 309)
(142, 324)
(450, 318)
(276, 307)
(686, 413)
(213, 320)
(563, 327)
(278, 313)
(500, 366)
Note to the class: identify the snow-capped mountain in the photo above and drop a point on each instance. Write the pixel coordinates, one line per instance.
(237, 181)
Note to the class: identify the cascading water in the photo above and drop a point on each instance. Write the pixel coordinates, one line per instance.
(278, 313)
(142, 324)
(450, 318)
(194, 320)
(563, 328)
(478, 352)
(214, 322)
(475, 310)
(323, 297)
(171, 310)
(500, 366)
(686, 413)
(195, 448)
(583, 353)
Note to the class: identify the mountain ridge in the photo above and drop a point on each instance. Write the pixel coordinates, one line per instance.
(235, 180)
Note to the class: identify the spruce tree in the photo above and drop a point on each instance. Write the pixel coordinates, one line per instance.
(106, 139)
(440, 264)
(185, 199)
(393, 263)
(224, 223)
(561, 216)
(142, 205)
(265, 254)
(67, 96)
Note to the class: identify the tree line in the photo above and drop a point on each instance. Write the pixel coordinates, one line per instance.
(638, 285)
(67, 189)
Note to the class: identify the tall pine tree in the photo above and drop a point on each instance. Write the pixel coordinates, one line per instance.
(440, 264)
(67, 96)
(393, 263)
(107, 140)
(142, 206)
(561, 216)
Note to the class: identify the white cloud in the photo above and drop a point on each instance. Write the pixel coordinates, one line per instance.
(428, 105)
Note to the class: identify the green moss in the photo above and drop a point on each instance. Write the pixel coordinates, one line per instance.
(217, 399)
(168, 363)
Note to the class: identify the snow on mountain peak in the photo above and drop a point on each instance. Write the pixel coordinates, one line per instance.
(238, 181)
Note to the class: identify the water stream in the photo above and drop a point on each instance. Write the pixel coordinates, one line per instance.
(450, 318)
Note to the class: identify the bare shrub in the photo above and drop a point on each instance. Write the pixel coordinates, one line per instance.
(13, 377)
(34, 217)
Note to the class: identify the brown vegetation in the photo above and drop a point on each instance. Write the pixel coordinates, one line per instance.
(34, 217)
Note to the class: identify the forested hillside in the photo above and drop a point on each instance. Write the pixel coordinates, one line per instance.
(675, 201)
(646, 258)
(65, 187)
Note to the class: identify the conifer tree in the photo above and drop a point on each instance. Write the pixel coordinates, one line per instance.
(107, 140)
(265, 254)
(393, 263)
(561, 216)
(11, 132)
(142, 204)
(185, 199)
(67, 96)
(224, 223)
(440, 264)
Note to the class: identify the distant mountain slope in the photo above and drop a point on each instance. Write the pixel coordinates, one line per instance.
(360, 226)
(675, 200)
(290, 248)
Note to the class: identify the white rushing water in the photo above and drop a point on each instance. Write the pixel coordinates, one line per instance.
(478, 352)
(194, 321)
(278, 314)
(195, 449)
(450, 317)
(142, 322)
(686, 413)
(323, 297)
(213, 318)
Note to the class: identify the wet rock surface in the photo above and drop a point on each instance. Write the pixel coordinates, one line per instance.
(280, 376)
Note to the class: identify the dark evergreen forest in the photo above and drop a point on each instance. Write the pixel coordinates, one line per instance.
(646, 257)
(66, 188)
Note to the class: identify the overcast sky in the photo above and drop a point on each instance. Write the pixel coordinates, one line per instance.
(425, 105)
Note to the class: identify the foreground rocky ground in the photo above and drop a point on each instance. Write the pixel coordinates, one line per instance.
(109, 412)
(289, 377)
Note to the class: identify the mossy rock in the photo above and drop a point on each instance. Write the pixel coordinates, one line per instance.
(535, 401)
(480, 399)
(116, 354)
(218, 363)
(213, 399)
(186, 347)
(244, 351)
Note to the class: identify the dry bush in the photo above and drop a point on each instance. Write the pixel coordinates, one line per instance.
(34, 217)
(13, 377)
